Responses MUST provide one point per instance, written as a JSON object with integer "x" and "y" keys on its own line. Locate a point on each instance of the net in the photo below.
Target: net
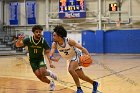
{"x": 122, "y": 17}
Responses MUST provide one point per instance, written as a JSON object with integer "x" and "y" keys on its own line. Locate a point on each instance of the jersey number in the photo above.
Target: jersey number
{"x": 66, "y": 53}
{"x": 35, "y": 51}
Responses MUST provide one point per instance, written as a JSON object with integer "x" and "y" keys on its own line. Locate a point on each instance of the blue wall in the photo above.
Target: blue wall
{"x": 122, "y": 41}
{"x": 88, "y": 40}
{"x": 112, "y": 41}
{"x": 48, "y": 37}
{"x": 99, "y": 41}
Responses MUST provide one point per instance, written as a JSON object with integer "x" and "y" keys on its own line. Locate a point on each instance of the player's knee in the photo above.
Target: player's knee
{"x": 38, "y": 75}
{"x": 43, "y": 74}
{"x": 45, "y": 79}
{"x": 71, "y": 70}
{"x": 82, "y": 77}
{"x": 40, "y": 78}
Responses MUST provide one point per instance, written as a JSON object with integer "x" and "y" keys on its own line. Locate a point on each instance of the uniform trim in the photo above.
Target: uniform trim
{"x": 42, "y": 40}
{"x": 76, "y": 58}
{"x": 34, "y": 41}
{"x": 64, "y": 43}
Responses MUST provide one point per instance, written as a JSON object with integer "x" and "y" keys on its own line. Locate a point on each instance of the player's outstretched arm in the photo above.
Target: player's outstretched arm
{"x": 53, "y": 48}
{"x": 48, "y": 57}
{"x": 19, "y": 42}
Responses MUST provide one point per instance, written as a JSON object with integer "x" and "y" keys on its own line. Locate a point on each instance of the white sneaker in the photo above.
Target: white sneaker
{"x": 52, "y": 75}
{"x": 52, "y": 86}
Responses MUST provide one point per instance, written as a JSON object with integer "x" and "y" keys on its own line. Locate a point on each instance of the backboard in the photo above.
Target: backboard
{"x": 121, "y": 16}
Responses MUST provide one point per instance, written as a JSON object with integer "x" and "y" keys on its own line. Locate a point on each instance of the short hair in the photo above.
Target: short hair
{"x": 60, "y": 31}
{"x": 37, "y": 27}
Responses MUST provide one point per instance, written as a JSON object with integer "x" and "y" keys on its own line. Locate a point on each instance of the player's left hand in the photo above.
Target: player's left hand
{"x": 55, "y": 59}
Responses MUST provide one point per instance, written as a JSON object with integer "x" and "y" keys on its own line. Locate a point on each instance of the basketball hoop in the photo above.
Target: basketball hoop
{"x": 116, "y": 19}
{"x": 119, "y": 1}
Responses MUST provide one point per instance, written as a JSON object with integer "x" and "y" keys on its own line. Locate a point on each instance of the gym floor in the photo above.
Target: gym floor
{"x": 116, "y": 73}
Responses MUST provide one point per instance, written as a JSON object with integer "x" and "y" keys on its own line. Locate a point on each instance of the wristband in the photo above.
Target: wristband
{"x": 51, "y": 57}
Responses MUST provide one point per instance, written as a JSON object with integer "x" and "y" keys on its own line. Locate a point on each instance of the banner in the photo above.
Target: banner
{"x": 13, "y": 13}
{"x": 31, "y": 12}
{"x": 72, "y": 9}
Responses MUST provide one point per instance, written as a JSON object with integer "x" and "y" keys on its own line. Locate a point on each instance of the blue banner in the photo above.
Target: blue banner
{"x": 31, "y": 12}
{"x": 13, "y": 13}
{"x": 72, "y": 15}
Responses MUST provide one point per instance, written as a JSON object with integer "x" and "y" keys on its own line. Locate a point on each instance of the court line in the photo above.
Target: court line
{"x": 101, "y": 77}
{"x": 98, "y": 63}
{"x": 32, "y": 89}
{"x": 118, "y": 73}
{"x": 60, "y": 81}
{"x": 65, "y": 82}
{"x": 39, "y": 90}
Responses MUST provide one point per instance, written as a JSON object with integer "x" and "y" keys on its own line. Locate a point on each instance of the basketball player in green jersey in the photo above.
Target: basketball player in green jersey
{"x": 68, "y": 49}
{"x": 37, "y": 45}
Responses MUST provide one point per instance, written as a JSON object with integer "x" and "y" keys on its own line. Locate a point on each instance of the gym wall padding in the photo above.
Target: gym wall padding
{"x": 99, "y": 37}
{"x": 112, "y": 41}
{"x": 122, "y": 41}
{"x": 48, "y": 37}
{"x": 88, "y": 40}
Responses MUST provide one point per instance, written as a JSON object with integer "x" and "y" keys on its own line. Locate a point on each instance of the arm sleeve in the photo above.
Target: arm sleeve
{"x": 46, "y": 46}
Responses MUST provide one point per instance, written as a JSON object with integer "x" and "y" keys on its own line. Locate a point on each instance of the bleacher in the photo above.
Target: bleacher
{"x": 6, "y": 45}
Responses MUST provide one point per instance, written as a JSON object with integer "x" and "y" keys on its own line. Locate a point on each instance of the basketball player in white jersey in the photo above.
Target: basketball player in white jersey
{"x": 68, "y": 49}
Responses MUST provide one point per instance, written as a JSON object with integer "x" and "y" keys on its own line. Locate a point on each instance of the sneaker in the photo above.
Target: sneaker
{"x": 79, "y": 91}
{"x": 52, "y": 75}
{"x": 52, "y": 86}
{"x": 95, "y": 87}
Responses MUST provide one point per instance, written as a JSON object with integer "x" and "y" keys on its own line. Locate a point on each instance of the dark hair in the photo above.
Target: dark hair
{"x": 36, "y": 27}
{"x": 60, "y": 30}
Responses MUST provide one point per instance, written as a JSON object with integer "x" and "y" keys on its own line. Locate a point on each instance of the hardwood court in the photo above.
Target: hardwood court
{"x": 115, "y": 73}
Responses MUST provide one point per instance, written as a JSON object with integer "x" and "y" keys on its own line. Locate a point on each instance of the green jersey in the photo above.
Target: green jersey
{"x": 36, "y": 48}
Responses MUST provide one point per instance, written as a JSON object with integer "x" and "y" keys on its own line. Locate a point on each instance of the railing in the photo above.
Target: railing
{"x": 9, "y": 30}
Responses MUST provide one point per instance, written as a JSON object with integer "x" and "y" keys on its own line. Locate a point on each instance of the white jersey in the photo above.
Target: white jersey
{"x": 67, "y": 51}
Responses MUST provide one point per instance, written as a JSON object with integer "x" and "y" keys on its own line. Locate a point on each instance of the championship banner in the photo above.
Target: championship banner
{"x": 13, "y": 13}
{"x": 31, "y": 12}
{"x": 72, "y": 9}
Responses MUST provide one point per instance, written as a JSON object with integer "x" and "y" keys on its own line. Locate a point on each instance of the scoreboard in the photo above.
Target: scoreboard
{"x": 113, "y": 7}
{"x": 72, "y": 9}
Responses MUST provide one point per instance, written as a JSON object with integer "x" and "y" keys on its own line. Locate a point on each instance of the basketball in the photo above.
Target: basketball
{"x": 85, "y": 60}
